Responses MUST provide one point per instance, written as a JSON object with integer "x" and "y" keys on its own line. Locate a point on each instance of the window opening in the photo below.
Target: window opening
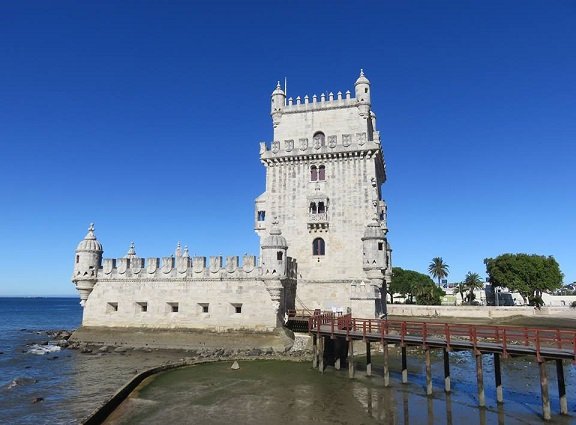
{"x": 321, "y": 208}
{"x": 111, "y": 307}
{"x": 318, "y": 247}
{"x": 77, "y": 259}
{"x": 313, "y": 207}
{"x": 261, "y": 215}
{"x": 143, "y": 307}
{"x": 237, "y": 308}
{"x": 204, "y": 308}
{"x": 319, "y": 138}
{"x": 380, "y": 246}
{"x": 321, "y": 173}
{"x": 313, "y": 173}
{"x": 279, "y": 255}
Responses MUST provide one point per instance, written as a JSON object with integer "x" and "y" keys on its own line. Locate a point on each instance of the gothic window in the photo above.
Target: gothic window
{"x": 321, "y": 173}
{"x": 261, "y": 215}
{"x": 313, "y": 173}
{"x": 313, "y": 209}
{"x": 318, "y": 247}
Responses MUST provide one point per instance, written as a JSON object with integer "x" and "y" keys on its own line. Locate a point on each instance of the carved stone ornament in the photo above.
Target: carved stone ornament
{"x": 289, "y": 145}
{"x": 346, "y": 139}
{"x": 167, "y": 265}
{"x": 215, "y": 264}
{"x": 248, "y": 263}
{"x": 152, "y": 265}
{"x": 136, "y": 265}
{"x": 198, "y": 264}
{"x": 182, "y": 264}
{"x": 122, "y": 265}
{"x": 332, "y": 141}
{"x": 108, "y": 265}
{"x": 275, "y": 147}
{"x": 317, "y": 142}
{"x": 303, "y": 144}
{"x": 361, "y": 138}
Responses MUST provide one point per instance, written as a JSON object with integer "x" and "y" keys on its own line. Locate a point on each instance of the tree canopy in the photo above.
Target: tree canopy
{"x": 410, "y": 283}
{"x": 530, "y": 275}
{"x": 471, "y": 282}
{"x": 438, "y": 269}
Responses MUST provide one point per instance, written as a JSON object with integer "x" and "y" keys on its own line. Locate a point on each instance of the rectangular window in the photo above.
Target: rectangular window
{"x": 237, "y": 308}
{"x": 173, "y": 307}
{"x": 142, "y": 307}
{"x": 380, "y": 246}
{"x": 111, "y": 307}
{"x": 77, "y": 259}
{"x": 261, "y": 215}
{"x": 204, "y": 307}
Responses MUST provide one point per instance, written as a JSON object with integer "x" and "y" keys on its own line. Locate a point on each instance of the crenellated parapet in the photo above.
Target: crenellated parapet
{"x": 364, "y": 291}
{"x": 182, "y": 267}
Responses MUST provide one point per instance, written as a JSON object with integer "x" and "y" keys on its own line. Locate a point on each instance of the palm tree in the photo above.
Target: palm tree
{"x": 472, "y": 281}
{"x": 438, "y": 269}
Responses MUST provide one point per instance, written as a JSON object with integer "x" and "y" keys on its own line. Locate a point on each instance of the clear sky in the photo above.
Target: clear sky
{"x": 144, "y": 117}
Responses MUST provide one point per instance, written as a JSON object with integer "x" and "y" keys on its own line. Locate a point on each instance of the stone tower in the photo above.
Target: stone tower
{"x": 86, "y": 264}
{"x": 324, "y": 172}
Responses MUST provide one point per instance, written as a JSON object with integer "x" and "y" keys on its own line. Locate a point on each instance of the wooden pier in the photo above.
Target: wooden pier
{"x": 499, "y": 341}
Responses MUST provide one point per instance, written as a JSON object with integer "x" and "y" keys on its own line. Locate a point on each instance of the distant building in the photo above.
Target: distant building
{"x": 322, "y": 205}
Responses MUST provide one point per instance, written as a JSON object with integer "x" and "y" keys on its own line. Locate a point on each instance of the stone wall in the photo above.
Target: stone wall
{"x": 481, "y": 312}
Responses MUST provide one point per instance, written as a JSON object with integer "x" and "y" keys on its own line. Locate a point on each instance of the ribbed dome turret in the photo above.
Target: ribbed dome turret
{"x": 89, "y": 243}
{"x": 278, "y": 89}
{"x": 362, "y": 79}
{"x": 373, "y": 231}
{"x": 131, "y": 251}
{"x": 275, "y": 238}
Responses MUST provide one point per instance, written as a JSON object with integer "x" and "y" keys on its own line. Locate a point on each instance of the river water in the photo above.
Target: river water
{"x": 41, "y": 384}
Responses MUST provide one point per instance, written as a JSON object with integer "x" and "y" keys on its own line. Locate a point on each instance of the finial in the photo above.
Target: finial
{"x": 278, "y": 85}
{"x": 361, "y": 72}
{"x": 178, "y": 250}
{"x": 91, "y": 227}
{"x": 132, "y": 249}
{"x": 186, "y": 253}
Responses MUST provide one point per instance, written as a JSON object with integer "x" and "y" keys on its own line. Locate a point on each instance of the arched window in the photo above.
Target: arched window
{"x": 321, "y": 208}
{"x": 319, "y": 138}
{"x": 318, "y": 247}
{"x": 313, "y": 173}
{"x": 313, "y": 207}
{"x": 321, "y": 173}
{"x": 279, "y": 255}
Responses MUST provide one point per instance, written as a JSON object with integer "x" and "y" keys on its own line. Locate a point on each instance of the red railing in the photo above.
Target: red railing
{"x": 446, "y": 333}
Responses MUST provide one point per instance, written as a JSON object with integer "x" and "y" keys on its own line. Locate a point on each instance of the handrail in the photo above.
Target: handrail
{"x": 446, "y": 333}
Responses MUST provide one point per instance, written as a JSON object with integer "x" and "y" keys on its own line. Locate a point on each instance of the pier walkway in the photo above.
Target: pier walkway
{"x": 334, "y": 336}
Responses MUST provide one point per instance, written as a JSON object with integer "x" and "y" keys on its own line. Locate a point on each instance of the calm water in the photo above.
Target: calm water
{"x": 72, "y": 385}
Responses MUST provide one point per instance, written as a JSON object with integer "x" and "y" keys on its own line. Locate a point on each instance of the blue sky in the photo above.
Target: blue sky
{"x": 145, "y": 117}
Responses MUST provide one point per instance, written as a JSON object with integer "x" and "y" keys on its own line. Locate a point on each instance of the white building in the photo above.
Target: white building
{"x": 322, "y": 205}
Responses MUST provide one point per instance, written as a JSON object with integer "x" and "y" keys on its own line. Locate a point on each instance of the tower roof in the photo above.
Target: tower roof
{"x": 275, "y": 238}
{"x": 278, "y": 90}
{"x": 131, "y": 251}
{"x": 90, "y": 243}
{"x": 362, "y": 79}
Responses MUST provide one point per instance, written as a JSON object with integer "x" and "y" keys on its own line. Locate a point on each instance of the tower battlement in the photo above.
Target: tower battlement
{"x": 197, "y": 267}
{"x": 324, "y": 101}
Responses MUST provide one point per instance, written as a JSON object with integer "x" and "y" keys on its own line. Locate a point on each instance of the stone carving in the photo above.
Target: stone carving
{"x": 198, "y": 264}
{"x": 289, "y": 145}
{"x": 332, "y": 141}
{"x": 122, "y": 265}
{"x": 136, "y": 265}
{"x": 182, "y": 264}
{"x": 346, "y": 139}
{"x": 167, "y": 264}
{"x": 215, "y": 264}
{"x": 275, "y": 147}
{"x": 152, "y": 265}
{"x": 361, "y": 138}
{"x": 108, "y": 266}
{"x": 317, "y": 142}
{"x": 303, "y": 144}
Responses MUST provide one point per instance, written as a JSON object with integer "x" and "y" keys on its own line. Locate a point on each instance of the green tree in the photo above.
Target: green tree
{"x": 530, "y": 275}
{"x": 438, "y": 269}
{"x": 471, "y": 282}
{"x": 410, "y": 283}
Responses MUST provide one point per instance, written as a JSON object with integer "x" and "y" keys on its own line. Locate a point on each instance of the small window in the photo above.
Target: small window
{"x": 173, "y": 307}
{"x": 111, "y": 307}
{"x": 313, "y": 209}
{"x": 366, "y": 90}
{"x": 77, "y": 259}
{"x": 142, "y": 307}
{"x": 279, "y": 255}
{"x": 321, "y": 208}
{"x": 261, "y": 215}
{"x": 318, "y": 247}
{"x": 237, "y": 308}
{"x": 380, "y": 246}
{"x": 313, "y": 173}
{"x": 204, "y": 307}
{"x": 321, "y": 173}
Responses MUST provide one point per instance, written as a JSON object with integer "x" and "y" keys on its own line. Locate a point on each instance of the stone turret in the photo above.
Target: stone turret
{"x": 362, "y": 88}
{"x": 274, "y": 248}
{"x": 374, "y": 247}
{"x": 87, "y": 262}
{"x": 278, "y": 103}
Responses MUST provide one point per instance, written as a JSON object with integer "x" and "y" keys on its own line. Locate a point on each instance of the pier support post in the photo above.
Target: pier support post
{"x": 428, "y": 372}
{"x": 314, "y": 351}
{"x": 546, "y": 414}
{"x": 351, "y": 358}
{"x": 321, "y": 354}
{"x": 498, "y": 378}
{"x": 561, "y": 387}
{"x": 446, "y": 370}
{"x": 368, "y": 359}
{"x": 404, "y": 366}
{"x": 480, "y": 380}
{"x": 386, "y": 370}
